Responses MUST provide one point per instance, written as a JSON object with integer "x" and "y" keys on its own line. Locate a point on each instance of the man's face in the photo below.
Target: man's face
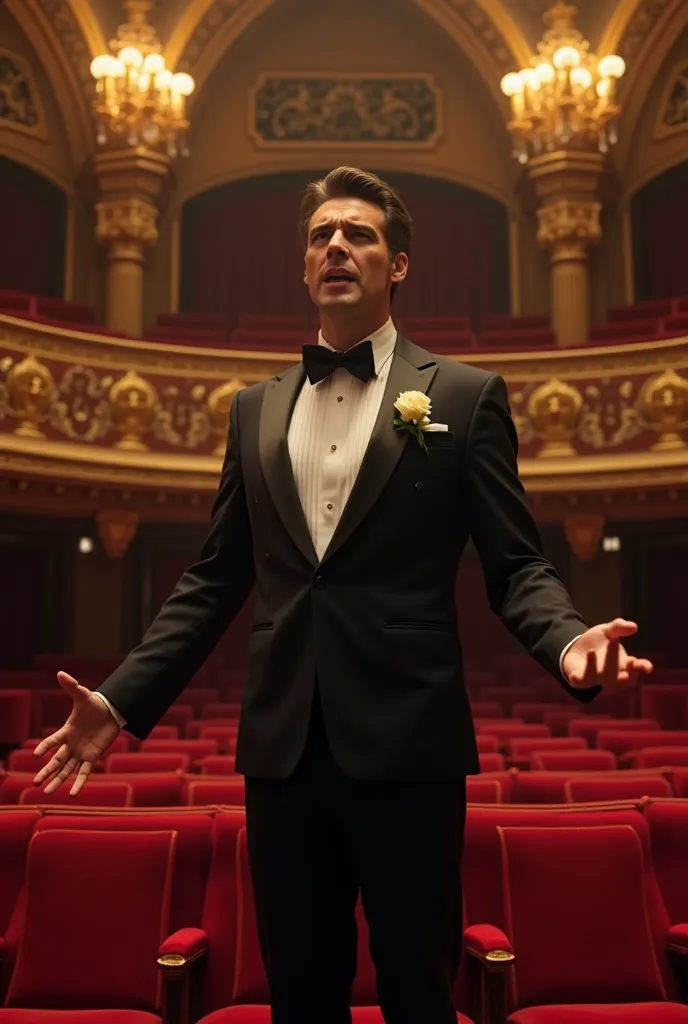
{"x": 348, "y": 263}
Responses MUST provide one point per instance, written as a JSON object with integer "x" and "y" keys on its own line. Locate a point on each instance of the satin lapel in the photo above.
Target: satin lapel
{"x": 412, "y": 369}
{"x": 278, "y": 403}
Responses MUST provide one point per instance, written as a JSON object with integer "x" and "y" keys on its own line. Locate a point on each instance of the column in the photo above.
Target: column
{"x": 568, "y": 210}
{"x": 134, "y": 183}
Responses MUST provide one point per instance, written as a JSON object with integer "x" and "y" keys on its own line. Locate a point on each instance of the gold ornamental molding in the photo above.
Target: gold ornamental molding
{"x": 672, "y": 113}
{"x": 108, "y": 416}
{"x": 22, "y": 108}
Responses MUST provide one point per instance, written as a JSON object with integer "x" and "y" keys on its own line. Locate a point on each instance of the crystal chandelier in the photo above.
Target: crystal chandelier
{"x": 566, "y": 99}
{"x": 139, "y": 100}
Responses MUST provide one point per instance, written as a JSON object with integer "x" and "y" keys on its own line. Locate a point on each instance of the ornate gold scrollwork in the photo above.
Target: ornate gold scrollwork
{"x": 219, "y": 403}
{"x": 663, "y": 401}
{"x": 31, "y": 389}
{"x": 133, "y": 401}
{"x": 554, "y": 409}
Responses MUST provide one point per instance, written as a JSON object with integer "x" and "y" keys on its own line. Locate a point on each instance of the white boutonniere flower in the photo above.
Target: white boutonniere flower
{"x": 414, "y": 415}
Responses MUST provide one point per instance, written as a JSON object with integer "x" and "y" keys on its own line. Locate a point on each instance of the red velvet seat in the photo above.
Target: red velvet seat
{"x": 679, "y": 780}
{"x": 104, "y": 962}
{"x": 65, "y": 310}
{"x": 25, "y": 679}
{"x": 590, "y": 726}
{"x": 668, "y": 824}
{"x": 411, "y": 324}
{"x": 491, "y": 762}
{"x": 143, "y": 761}
{"x": 195, "y": 749}
{"x": 179, "y": 715}
{"x": 642, "y": 310}
{"x": 96, "y": 794}
{"x": 625, "y": 330}
{"x": 487, "y": 744}
{"x": 483, "y": 791}
{"x": 261, "y": 1015}
{"x": 15, "y": 716}
{"x": 197, "y": 697}
{"x": 520, "y": 747}
{"x": 201, "y": 792}
{"x": 535, "y": 711}
{"x": 51, "y": 709}
{"x": 164, "y": 732}
{"x": 627, "y": 742}
{"x": 667, "y": 704}
{"x": 15, "y": 303}
{"x": 603, "y": 1013}
{"x": 194, "y": 832}
{"x": 217, "y": 764}
{"x": 26, "y": 1016}
{"x": 218, "y": 709}
{"x": 195, "y": 729}
{"x": 514, "y": 322}
{"x": 660, "y": 757}
{"x": 249, "y": 339}
{"x": 616, "y": 787}
{"x": 487, "y": 709}
{"x": 24, "y": 760}
{"x": 549, "y": 787}
{"x": 520, "y": 340}
{"x": 573, "y": 760}
{"x": 277, "y": 322}
{"x": 506, "y": 731}
{"x": 558, "y": 719}
{"x": 608, "y": 948}
{"x": 16, "y": 829}
{"x": 512, "y": 693}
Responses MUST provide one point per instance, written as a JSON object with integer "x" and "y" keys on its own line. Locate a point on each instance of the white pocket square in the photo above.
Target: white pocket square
{"x": 435, "y": 426}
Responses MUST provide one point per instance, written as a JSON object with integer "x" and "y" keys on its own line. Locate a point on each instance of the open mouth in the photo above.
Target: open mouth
{"x": 337, "y": 277}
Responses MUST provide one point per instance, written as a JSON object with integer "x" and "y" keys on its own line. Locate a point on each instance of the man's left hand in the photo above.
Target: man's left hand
{"x": 597, "y": 657}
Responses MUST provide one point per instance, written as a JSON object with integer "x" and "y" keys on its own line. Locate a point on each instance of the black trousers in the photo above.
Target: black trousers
{"x": 318, "y": 838}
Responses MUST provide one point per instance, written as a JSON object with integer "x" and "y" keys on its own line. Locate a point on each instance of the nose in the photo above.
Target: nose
{"x": 337, "y": 244}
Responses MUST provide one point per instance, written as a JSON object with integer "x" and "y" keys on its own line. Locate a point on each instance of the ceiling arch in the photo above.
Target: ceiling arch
{"x": 483, "y": 29}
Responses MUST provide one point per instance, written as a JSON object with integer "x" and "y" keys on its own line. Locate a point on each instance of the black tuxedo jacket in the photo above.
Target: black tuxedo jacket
{"x": 374, "y": 621}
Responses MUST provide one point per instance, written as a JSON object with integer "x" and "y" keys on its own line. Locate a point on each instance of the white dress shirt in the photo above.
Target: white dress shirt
{"x": 329, "y": 432}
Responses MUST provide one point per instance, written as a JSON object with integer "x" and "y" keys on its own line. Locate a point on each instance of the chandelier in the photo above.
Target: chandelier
{"x": 139, "y": 101}
{"x": 566, "y": 98}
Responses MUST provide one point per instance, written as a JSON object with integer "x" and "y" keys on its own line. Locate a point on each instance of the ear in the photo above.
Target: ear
{"x": 399, "y": 267}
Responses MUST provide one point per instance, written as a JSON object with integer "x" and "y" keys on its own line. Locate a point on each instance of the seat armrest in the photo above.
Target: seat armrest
{"x": 489, "y": 957}
{"x": 677, "y": 939}
{"x": 180, "y": 959}
{"x": 185, "y": 944}
{"x": 677, "y": 944}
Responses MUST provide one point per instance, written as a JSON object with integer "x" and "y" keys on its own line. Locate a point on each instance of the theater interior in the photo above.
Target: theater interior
{"x": 152, "y": 157}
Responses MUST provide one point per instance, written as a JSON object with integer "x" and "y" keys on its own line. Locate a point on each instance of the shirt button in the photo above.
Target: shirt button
{"x": 330, "y": 505}
{"x": 340, "y": 398}
{"x": 333, "y": 447}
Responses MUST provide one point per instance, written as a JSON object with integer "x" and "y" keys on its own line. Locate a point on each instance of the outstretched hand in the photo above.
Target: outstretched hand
{"x": 82, "y": 740}
{"x": 597, "y": 657}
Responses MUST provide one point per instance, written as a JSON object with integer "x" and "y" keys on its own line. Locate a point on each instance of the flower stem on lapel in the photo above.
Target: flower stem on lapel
{"x": 414, "y": 429}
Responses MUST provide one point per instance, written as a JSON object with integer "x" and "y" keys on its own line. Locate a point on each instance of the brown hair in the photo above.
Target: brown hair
{"x": 350, "y": 182}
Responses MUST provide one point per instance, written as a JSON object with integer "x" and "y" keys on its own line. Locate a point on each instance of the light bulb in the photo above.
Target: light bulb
{"x": 603, "y": 88}
{"x": 566, "y": 57}
{"x": 581, "y": 77}
{"x": 529, "y": 78}
{"x": 163, "y": 79}
{"x": 154, "y": 63}
{"x": 100, "y": 65}
{"x": 545, "y": 72}
{"x": 144, "y": 81}
{"x": 85, "y": 545}
{"x": 511, "y": 84}
{"x": 183, "y": 83}
{"x": 611, "y": 66}
{"x": 131, "y": 57}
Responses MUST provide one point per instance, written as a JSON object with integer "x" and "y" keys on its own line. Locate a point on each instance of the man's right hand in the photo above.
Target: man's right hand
{"x": 82, "y": 740}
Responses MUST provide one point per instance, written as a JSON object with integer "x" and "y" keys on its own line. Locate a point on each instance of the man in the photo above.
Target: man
{"x": 356, "y": 734}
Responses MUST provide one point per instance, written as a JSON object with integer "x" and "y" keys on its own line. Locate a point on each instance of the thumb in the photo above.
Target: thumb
{"x": 68, "y": 683}
{"x": 618, "y": 628}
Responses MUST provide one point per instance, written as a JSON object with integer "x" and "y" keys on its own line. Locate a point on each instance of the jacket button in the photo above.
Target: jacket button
{"x": 320, "y": 582}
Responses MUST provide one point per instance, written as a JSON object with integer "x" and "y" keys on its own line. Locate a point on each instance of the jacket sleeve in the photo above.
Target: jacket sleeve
{"x": 523, "y": 587}
{"x": 205, "y": 600}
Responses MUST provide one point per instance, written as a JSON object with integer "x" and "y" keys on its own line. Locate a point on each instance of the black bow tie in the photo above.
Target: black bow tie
{"x": 320, "y": 362}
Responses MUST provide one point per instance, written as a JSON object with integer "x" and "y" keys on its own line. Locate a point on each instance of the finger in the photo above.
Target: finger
{"x": 61, "y": 776}
{"x": 54, "y": 764}
{"x": 618, "y": 628}
{"x": 67, "y": 682}
{"x": 49, "y": 742}
{"x": 583, "y": 677}
{"x": 83, "y": 773}
{"x": 610, "y": 669}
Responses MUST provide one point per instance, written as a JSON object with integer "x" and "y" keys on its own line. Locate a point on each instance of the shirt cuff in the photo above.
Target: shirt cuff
{"x": 121, "y": 722}
{"x": 563, "y": 654}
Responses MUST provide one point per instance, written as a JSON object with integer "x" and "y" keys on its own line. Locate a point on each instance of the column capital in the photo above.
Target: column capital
{"x": 568, "y": 227}
{"x": 127, "y": 226}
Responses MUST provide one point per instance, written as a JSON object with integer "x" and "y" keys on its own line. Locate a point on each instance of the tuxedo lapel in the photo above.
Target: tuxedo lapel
{"x": 412, "y": 369}
{"x": 278, "y": 404}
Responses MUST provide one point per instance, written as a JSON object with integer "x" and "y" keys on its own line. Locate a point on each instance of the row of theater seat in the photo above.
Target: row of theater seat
{"x": 574, "y": 915}
{"x": 155, "y": 786}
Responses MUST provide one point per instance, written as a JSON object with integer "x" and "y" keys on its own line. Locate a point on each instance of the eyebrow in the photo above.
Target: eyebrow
{"x": 346, "y": 223}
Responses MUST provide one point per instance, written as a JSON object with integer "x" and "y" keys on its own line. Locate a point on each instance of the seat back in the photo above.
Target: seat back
{"x": 616, "y": 787}
{"x": 484, "y": 791}
{"x": 202, "y": 792}
{"x": 661, "y": 757}
{"x": 103, "y": 962}
{"x": 16, "y": 829}
{"x": 604, "y": 950}
{"x": 491, "y": 762}
{"x": 589, "y": 726}
{"x": 668, "y": 824}
{"x": 521, "y": 747}
{"x": 573, "y": 760}
{"x": 624, "y": 741}
{"x": 193, "y": 850}
{"x": 143, "y": 761}
{"x": 96, "y": 793}
{"x": 217, "y": 764}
